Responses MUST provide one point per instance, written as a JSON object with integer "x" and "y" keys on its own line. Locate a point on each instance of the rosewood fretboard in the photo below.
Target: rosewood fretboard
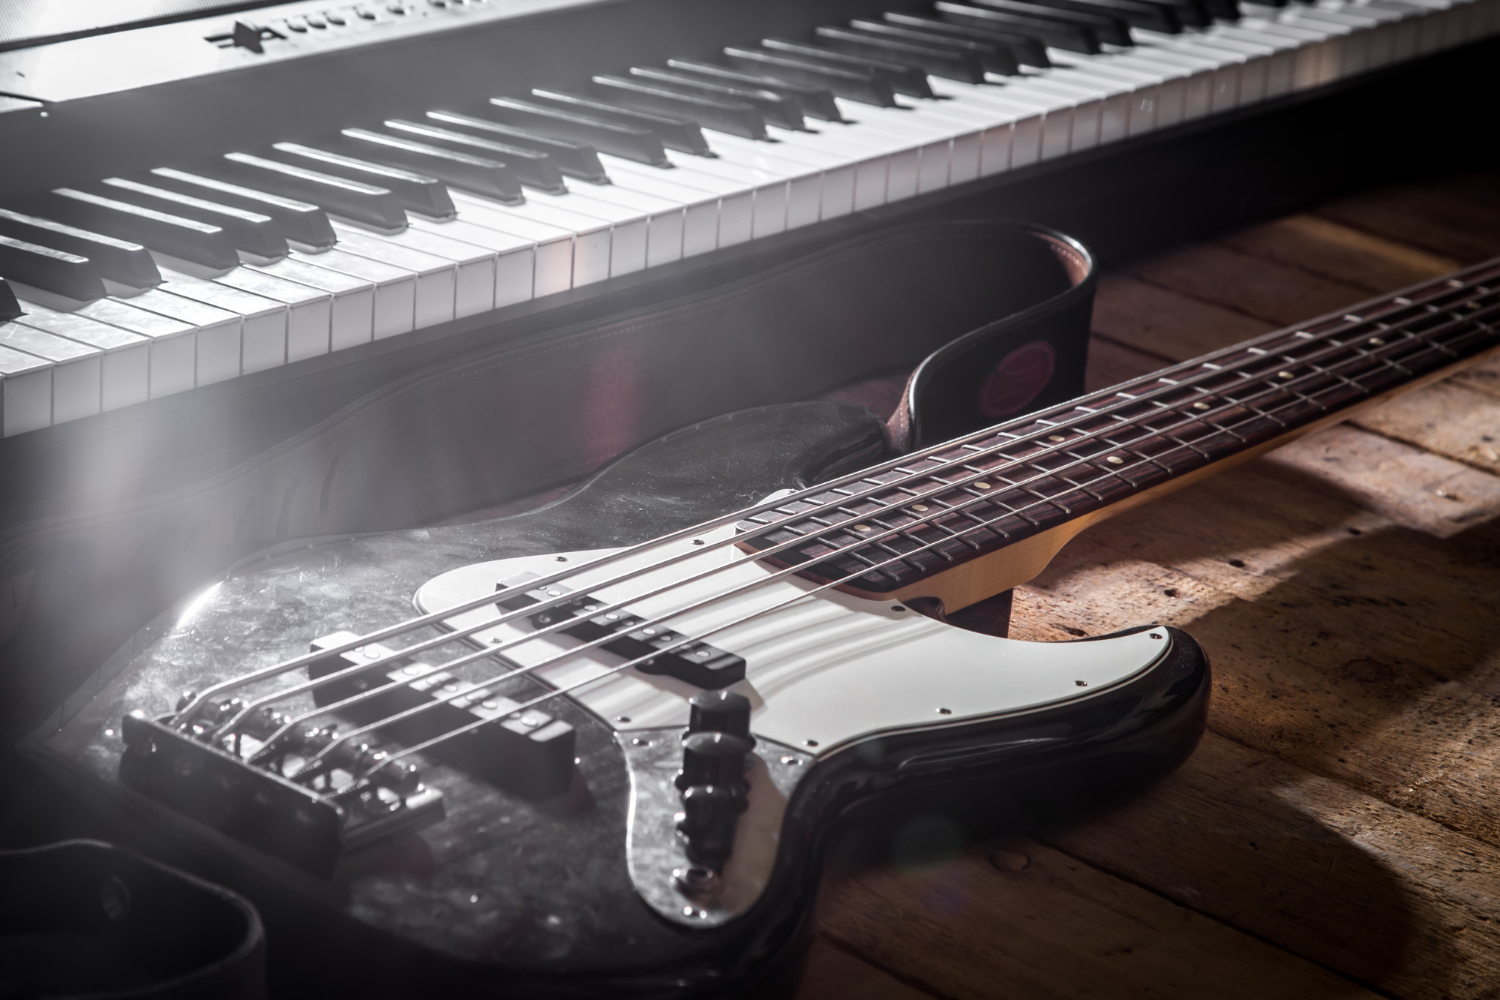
{"x": 935, "y": 509}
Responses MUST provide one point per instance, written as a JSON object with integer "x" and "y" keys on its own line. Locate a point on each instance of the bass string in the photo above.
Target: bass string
{"x": 1017, "y": 440}
{"x": 492, "y": 623}
{"x": 478, "y": 686}
{"x": 488, "y": 651}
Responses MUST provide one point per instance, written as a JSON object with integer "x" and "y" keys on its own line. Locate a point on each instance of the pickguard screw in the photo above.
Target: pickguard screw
{"x": 789, "y": 759}
{"x": 562, "y": 558}
{"x": 809, "y": 743}
{"x": 1082, "y": 684}
{"x": 945, "y": 711}
{"x": 1156, "y": 635}
{"x": 698, "y": 541}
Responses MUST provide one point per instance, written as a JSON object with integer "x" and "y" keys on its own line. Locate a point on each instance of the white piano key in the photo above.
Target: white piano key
{"x": 437, "y": 277}
{"x": 1247, "y": 67}
{"x": 764, "y": 211}
{"x": 396, "y": 290}
{"x": 1075, "y": 117}
{"x": 520, "y": 263}
{"x": 351, "y": 314}
{"x": 1319, "y": 52}
{"x": 591, "y": 237}
{"x": 665, "y": 216}
{"x": 1280, "y": 53}
{"x": 264, "y": 332}
{"x": 126, "y": 373}
{"x": 474, "y": 288}
{"x": 1354, "y": 32}
{"x": 219, "y": 332}
{"x": 1177, "y": 74}
{"x": 310, "y": 311}
{"x": 25, "y": 392}
{"x": 736, "y": 189}
{"x": 1139, "y": 91}
{"x": 814, "y": 174}
{"x": 629, "y": 227}
{"x": 76, "y": 369}
{"x": 1048, "y": 129}
{"x": 700, "y": 212}
{"x": 174, "y": 344}
{"x": 552, "y": 267}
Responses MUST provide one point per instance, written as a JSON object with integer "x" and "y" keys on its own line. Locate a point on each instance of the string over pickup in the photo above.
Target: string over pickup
{"x": 526, "y": 752}
{"x": 669, "y": 652}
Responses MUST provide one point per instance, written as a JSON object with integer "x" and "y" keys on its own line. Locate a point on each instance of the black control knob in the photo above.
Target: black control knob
{"x": 713, "y": 759}
{"x": 721, "y": 712}
{"x": 709, "y": 815}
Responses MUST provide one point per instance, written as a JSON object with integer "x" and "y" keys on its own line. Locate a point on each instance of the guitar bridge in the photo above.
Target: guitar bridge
{"x": 308, "y": 819}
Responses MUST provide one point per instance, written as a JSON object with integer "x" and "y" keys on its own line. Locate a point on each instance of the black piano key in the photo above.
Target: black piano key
{"x": 1146, "y": 14}
{"x": 489, "y": 177}
{"x": 938, "y": 61}
{"x": 774, "y": 108}
{"x": 356, "y": 200}
{"x": 864, "y": 87}
{"x": 117, "y": 260}
{"x": 903, "y": 78}
{"x": 9, "y": 307}
{"x": 538, "y": 170}
{"x": 991, "y": 58}
{"x": 1112, "y": 30}
{"x": 1061, "y": 34}
{"x": 1229, "y": 10}
{"x": 1192, "y": 13}
{"x": 418, "y": 192}
{"x": 674, "y": 132}
{"x": 55, "y": 271}
{"x": 1027, "y": 49}
{"x": 815, "y": 101}
{"x": 721, "y": 113}
{"x": 252, "y": 232}
{"x": 536, "y": 156}
{"x": 199, "y": 242}
{"x": 299, "y": 221}
{"x": 607, "y": 137}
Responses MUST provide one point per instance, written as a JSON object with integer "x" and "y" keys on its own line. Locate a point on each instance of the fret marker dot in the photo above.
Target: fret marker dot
{"x": 1284, "y": 375}
{"x": 1376, "y": 341}
{"x": 981, "y": 485}
{"x": 1055, "y": 437}
{"x": 1115, "y": 460}
{"x": 861, "y": 527}
{"x": 919, "y": 506}
{"x": 1200, "y": 406}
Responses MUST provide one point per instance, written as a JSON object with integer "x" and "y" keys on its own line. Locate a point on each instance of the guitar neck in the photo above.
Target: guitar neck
{"x": 972, "y": 517}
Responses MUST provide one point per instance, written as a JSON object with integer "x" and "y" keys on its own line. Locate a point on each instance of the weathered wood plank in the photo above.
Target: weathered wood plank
{"x": 1111, "y": 363}
{"x": 1020, "y": 920}
{"x": 1342, "y": 644}
{"x": 1165, "y": 323}
{"x": 1484, "y": 377}
{"x": 1276, "y": 293}
{"x": 1410, "y": 486}
{"x": 1323, "y": 871}
{"x": 1447, "y": 418}
{"x": 1331, "y": 250}
{"x": 831, "y": 973}
{"x": 1457, "y": 217}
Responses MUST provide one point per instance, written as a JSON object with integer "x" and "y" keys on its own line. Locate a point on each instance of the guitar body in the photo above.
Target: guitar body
{"x": 570, "y": 893}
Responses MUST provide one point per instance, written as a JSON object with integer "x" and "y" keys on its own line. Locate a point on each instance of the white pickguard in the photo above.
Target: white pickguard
{"x": 820, "y": 672}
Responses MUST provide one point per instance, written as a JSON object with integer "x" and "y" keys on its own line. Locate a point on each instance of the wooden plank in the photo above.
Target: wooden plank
{"x": 831, "y": 973}
{"x": 1483, "y": 377}
{"x": 1454, "y": 217}
{"x": 1276, "y": 293}
{"x": 1331, "y": 250}
{"x": 1165, "y": 323}
{"x": 1412, "y": 487}
{"x": 1341, "y": 643}
{"x": 1021, "y": 920}
{"x": 1309, "y": 864}
{"x": 1447, "y": 418}
{"x": 1111, "y": 363}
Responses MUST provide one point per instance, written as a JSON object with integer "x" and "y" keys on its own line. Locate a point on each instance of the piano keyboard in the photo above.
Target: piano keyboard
{"x": 137, "y": 287}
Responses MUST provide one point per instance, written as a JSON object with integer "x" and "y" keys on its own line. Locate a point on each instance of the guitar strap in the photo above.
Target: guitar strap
{"x": 999, "y": 311}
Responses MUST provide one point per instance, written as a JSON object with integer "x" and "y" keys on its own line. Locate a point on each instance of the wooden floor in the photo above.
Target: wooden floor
{"x": 1337, "y": 833}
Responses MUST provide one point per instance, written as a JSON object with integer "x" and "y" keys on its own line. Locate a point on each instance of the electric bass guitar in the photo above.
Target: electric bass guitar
{"x": 597, "y": 748}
